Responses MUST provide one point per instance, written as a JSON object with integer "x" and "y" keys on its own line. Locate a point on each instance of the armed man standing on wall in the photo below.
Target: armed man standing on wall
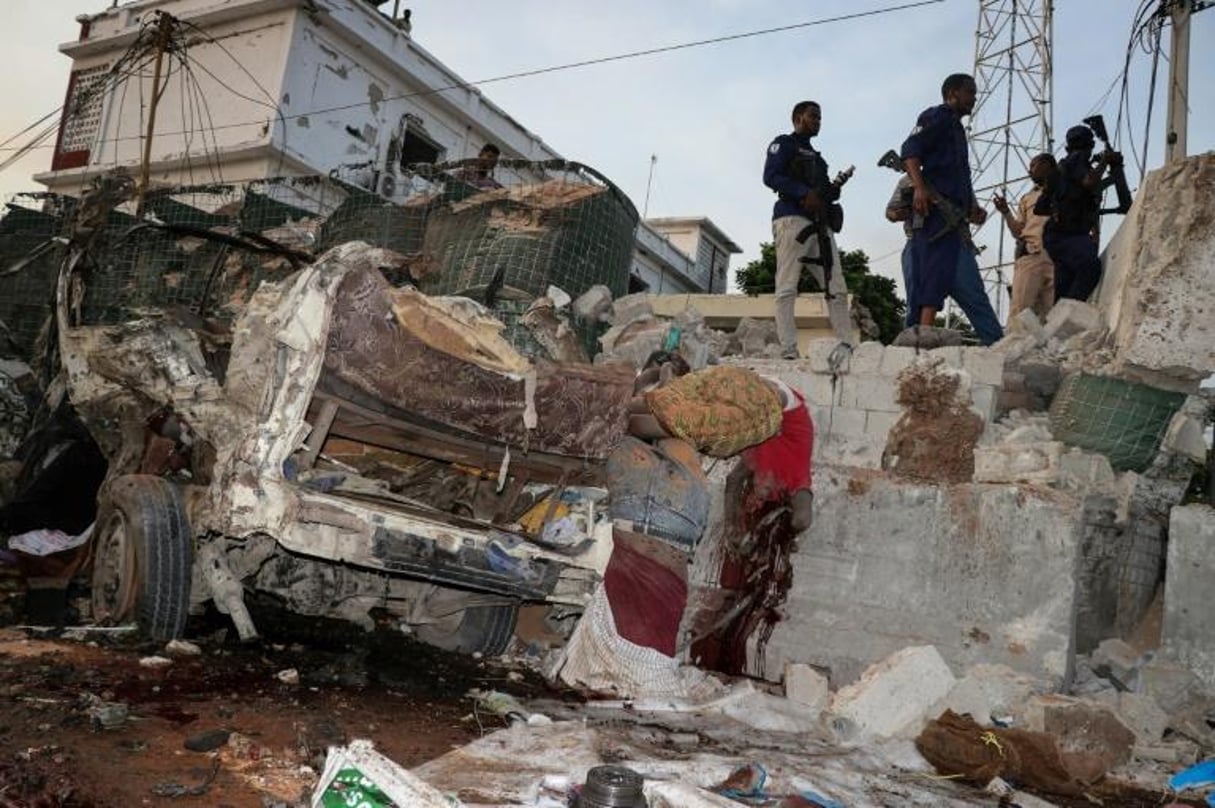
{"x": 798, "y": 175}
{"x": 1072, "y": 200}
{"x": 936, "y": 158}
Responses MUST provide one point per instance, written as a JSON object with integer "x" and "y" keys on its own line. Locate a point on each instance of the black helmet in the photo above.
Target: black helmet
{"x": 1079, "y": 138}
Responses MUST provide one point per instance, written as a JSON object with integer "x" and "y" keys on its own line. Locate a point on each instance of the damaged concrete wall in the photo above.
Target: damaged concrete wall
{"x": 986, "y": 573}
{"x": 1159, "y": 287}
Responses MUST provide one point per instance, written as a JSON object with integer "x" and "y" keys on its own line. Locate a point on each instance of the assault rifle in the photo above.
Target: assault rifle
{"x": 955, "y": 218}
{"x": 1114, "y": 161}
{"x": 832, "y": 218}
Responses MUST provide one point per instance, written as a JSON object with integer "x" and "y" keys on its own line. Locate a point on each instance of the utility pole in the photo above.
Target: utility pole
{"x": 164, "y": 35}
{"x": 645, "y": 209}
{"x": 1179, "y": 75}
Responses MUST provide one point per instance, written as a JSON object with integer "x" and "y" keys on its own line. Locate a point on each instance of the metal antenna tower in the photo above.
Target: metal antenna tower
{"x": 1012, "y": 118}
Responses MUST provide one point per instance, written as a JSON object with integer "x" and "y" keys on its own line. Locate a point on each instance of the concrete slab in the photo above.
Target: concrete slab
{"x": 893, "y": 697}
{"x": 1159, "y": 284}
{"x": 1189, "y": 608}
{"x": 984, "y": 573}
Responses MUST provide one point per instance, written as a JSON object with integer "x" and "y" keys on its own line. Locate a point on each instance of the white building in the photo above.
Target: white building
{"x": 260, "y": 88}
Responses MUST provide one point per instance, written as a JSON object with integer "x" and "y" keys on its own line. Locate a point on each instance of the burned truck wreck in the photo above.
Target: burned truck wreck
{"x": 284, "y": 408}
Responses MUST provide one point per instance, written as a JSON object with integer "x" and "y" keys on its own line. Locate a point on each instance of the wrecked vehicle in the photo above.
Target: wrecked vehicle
{"x": 302, "y": 428}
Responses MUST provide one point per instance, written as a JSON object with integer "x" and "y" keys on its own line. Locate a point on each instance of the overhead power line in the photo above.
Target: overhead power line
{"x": 585, "y": 63}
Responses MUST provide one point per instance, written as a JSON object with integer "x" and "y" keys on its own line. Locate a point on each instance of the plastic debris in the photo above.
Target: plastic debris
{"x": 1200, "y": 775}
{"x": 106, "y": 714}
{"x": 499, "y": 703}
{"x": 359, "y": 775}
{"x": 182, "y": 648}
{"x": 44, "y": 542}
{"x": 288, "y": 676}
{"x": 746, "y": 782}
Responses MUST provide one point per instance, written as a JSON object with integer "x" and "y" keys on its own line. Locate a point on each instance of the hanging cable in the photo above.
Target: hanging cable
{"x": 601, "y": 60}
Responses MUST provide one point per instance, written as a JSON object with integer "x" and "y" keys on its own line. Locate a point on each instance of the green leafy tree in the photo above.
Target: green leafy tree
{"x": 875, "y": 292}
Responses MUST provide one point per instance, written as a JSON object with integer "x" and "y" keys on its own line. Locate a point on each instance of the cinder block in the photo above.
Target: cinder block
{"x": 631, "y": 307}
{"x": 895, "y": 358}
{"x": 984, "y": 366}
{"x": 1070, "y": 317}
{"x": 821, "y": 392}
{"x": 798, "y": 380}
{"x": 1018, "y": 463}
{"x": 817, "y": 354}
{"x": 983, "y": 401}
{"x": 1143, "y": 716}
{"x": 875, "y": 393}
{"x": 893, "y": 698}
{"x": 1027, "y": 323}
{"x": 1082, "y": 470}
{"x": 879, "y": 424}
{"x": 866, "y": 359}
{"x": 1007, "y": 401}
{"x": 805, "y": 685}
{"x": 951, "y": 354}
{"x": 838, "y": 422}
{"x": 1184, "y": 437}
{"x": 1117, "y": 661}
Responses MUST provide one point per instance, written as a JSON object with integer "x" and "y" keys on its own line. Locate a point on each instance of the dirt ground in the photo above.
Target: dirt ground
{"x": 270, "y": 735}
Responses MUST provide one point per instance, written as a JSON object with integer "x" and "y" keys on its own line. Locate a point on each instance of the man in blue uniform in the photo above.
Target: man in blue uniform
{"x": 937, "y": 161}
{"x": 968, "y": 290}
{"x": 798, "y": 174}
{"x": 1072, "y": 200}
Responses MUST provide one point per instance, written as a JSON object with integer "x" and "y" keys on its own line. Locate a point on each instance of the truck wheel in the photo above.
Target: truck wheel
{"x": 141, "y": 566}
{"x": 486, "y": 629}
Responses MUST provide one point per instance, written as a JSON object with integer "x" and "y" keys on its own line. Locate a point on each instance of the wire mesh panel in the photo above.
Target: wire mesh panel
{"x": 29, "y": 260}
{"x": 169, "y": 260}
{"x": 500, "y": 237}
{"x": 1122, "y": 420}
{"x": 509, "y": 232}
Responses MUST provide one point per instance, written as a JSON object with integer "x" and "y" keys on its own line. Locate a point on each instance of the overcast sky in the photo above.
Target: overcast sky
{"x": 708, "y": 113}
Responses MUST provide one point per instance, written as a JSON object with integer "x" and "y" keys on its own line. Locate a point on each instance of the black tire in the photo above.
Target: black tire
{"x": 142, "y": 565}
{"x": 487, "y": 630}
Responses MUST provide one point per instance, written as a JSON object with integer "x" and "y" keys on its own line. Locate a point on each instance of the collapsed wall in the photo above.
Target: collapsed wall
{"x": 1007, "y": 504}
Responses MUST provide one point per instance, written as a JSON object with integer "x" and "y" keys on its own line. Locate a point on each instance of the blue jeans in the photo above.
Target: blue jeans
{"x": 968, "y": 293}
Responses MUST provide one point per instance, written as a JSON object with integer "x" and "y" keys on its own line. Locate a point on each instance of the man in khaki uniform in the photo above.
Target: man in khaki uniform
{"x": 1033, "y": 285}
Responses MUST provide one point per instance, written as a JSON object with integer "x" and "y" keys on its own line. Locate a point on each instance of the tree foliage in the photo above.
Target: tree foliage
{"x": 875, "y": 292}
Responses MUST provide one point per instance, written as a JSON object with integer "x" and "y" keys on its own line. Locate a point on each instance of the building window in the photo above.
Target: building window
{"x": 81, "y": 118}
{"x": 418, "y": 148}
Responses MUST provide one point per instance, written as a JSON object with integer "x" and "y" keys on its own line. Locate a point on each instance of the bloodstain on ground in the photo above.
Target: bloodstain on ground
{"x": 409, "y": 699}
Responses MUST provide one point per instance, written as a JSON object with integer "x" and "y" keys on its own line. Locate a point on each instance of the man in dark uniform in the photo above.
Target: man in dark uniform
{"x": 1072, "y": 200}
{"x": 798, "y": 174}
{"x": 937, "y": 160}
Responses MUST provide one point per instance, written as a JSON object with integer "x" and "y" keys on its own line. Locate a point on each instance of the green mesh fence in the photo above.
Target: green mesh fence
{"x": 501, "y": 239}
{"x": 509, "y": 235}
{"x": 28, "y": 262}
{"x": 142, "y": 268}
{"x": 1122, "y": 420}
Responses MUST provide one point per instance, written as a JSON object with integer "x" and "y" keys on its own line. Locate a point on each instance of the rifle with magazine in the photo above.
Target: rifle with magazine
{"x": 818, "y": 227}
{"x": 955, "y": 218}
